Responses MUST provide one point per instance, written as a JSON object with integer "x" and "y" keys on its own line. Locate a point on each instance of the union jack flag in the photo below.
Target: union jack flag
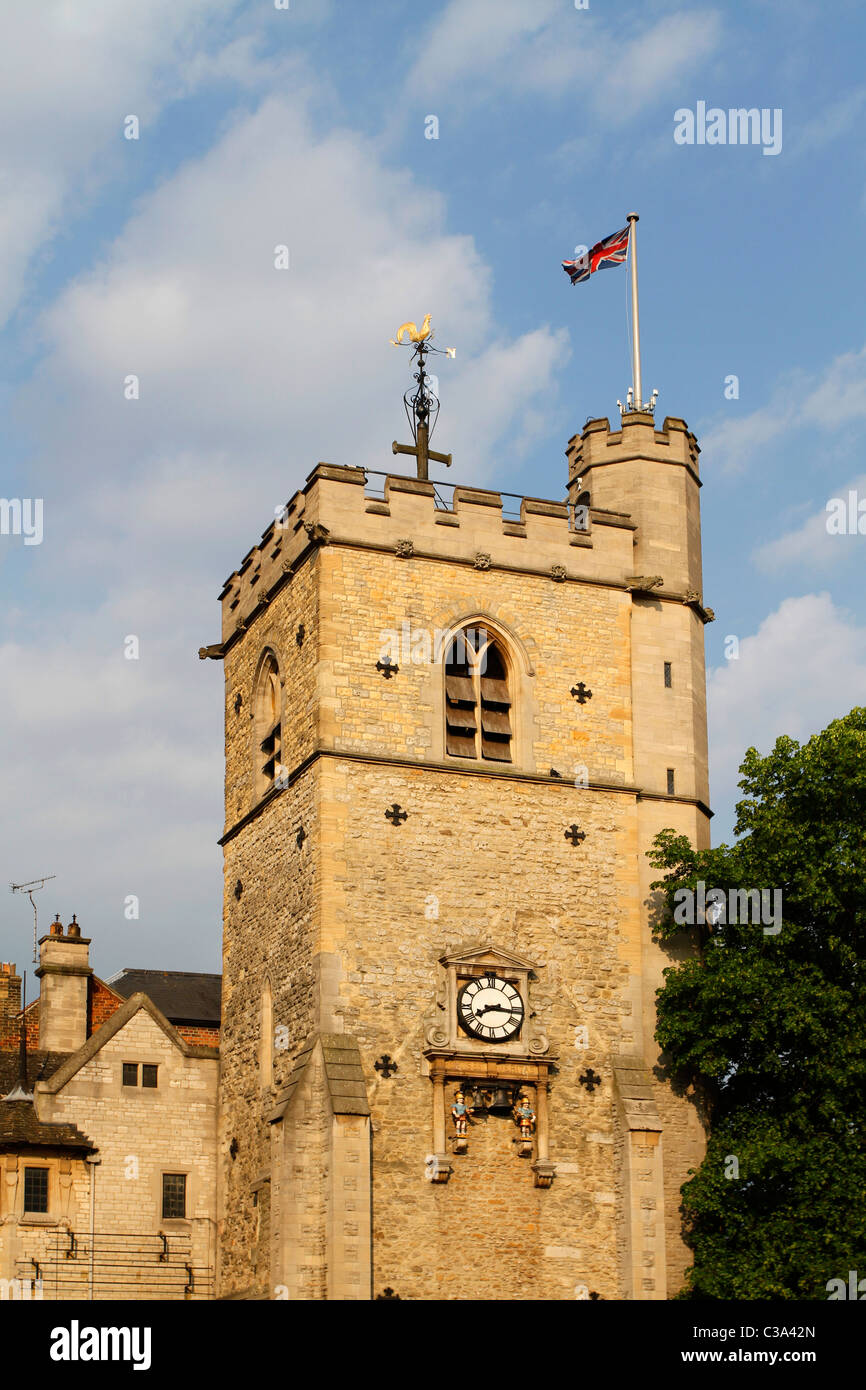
{"x": 611, "y": 251}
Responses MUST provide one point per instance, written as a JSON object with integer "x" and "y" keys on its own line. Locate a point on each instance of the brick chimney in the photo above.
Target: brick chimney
{"x": 64, "y": 969}
{"x": 10, "y": 1004}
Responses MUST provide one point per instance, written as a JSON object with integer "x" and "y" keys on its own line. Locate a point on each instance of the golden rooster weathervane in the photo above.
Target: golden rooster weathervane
{"x": 421, "y": 404}
{"x": 418, "y": 335}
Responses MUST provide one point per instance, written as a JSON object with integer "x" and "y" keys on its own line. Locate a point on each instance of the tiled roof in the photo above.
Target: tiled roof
{"x": 40, "y": 1065}
{"x": 347, "y": 1088}
{"x": 183, "y": 996}
{"x": 20, "y": 1127}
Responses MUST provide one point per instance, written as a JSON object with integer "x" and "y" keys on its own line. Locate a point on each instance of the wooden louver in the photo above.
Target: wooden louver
{"x": 460, "y": 716}
{"x": 477, "y": 706}
{"x": 271, "y": 743}
{"x": 272, "y": 749}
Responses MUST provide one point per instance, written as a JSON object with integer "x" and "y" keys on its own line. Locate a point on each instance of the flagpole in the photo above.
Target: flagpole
{"x": 632, "y": 220}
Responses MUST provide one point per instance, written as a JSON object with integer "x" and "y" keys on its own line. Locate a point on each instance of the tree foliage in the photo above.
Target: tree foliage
{"x": 770, "y": 1026}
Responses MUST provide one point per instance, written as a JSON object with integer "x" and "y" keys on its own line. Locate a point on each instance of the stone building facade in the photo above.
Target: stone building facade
{"x": 108, "y": 1108}
{"x": 451, "y": 736}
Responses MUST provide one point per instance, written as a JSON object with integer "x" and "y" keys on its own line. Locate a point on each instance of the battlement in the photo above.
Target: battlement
{"x": 477, "y": 527}
{"x": 598, "y": 444}
{"x": 613, "y": 522}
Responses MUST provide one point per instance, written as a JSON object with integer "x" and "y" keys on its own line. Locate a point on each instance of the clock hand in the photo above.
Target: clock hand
{"x": 495, "y": 1008}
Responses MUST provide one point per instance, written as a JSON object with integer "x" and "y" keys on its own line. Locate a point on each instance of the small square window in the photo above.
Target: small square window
{"x": 130, "y": 1073}
{"x": 670, "y": 781}
{"x": 35, "y": 1189}
{"x": 668, "y": 681}
{"x": 173, "y": 1195}
{"x": 148, "y": 1075}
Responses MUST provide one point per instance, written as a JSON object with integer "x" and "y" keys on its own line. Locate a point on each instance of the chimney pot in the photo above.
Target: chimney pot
{"x": 64, "y": 972}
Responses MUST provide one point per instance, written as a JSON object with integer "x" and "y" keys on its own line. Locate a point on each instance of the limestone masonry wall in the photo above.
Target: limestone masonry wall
{"x": 346, "y": 915}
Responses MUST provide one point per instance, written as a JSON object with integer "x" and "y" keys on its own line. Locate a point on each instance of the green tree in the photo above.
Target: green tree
{"x": 769, "y": 1026}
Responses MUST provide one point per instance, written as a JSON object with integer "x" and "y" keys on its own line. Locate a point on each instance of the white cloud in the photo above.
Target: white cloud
{"x": 232, "y": 353}
{"x": 638, "y": 72}
{"x": 547, "y": 49}
{"x": 72, "y": 71}
{"x": 834, "y": 121}
{"x": 840, "y": 396}
{"x": 805, "y": 666}
{"x": 797, "y": 402}
{"x": 112, "y": 776}
{"x": 811, "y": 546}
{"x": 249, "y": 375}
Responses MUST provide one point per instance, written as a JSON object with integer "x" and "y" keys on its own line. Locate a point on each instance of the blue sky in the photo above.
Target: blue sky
{"x": 306, "y": 127}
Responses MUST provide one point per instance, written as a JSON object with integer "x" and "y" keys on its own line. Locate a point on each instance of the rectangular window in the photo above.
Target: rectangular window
{"x": 130, "y": 1073}
{"x": 35, "y": 1189}
{"x": 667, "y": 675}
{"x": 148, "y": 1075}
{"x": 670, "y": 781}
{"x": 173, "y": 1195}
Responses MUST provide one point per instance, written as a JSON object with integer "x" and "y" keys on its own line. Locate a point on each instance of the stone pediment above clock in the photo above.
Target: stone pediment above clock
{"x": 485, "y": 954}
{"x": 483, "y": 1004}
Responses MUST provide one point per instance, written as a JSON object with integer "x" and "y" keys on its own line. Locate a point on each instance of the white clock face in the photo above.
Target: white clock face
{"x": 490, "y": 1008}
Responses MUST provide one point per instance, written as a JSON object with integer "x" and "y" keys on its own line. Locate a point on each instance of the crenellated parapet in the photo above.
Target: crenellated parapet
{"x": 637, "y": 438}
{"x": 480, "y": 529}
{"x": 652, "y": 474}
{"x": 632, "y": 505}
{"x": 624, "y": 505}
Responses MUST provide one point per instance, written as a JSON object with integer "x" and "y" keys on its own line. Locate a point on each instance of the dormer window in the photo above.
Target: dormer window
{"x": 477, "y": 698}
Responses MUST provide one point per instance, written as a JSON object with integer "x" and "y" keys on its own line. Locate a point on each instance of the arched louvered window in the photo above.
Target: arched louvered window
{"x": 477, "y": 698}
{"x": 269, "y": 725}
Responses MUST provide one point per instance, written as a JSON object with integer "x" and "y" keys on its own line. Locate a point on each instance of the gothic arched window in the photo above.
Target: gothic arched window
{"x": 269, "y": 724}
{"x": 477, "y": 697}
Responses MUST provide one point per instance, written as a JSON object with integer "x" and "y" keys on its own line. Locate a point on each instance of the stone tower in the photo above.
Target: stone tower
{"x": 451, "y": 735}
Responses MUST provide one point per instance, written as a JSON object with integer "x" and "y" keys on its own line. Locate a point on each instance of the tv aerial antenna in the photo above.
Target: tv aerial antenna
{"x": 30, "y": 888}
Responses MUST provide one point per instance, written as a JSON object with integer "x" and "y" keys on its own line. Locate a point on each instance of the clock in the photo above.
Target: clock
{"x": 490, "y": 1008}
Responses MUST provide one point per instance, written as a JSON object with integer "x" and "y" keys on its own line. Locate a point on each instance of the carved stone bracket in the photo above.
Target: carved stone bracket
{"x": 404, "y": 549}
{"x": 695, "y": 601}
{"x": 482, "y": 560}
{"x": 438, "y": 1168}
{"x": 643, "y": 583}
{"x": 544, "y": 1171}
